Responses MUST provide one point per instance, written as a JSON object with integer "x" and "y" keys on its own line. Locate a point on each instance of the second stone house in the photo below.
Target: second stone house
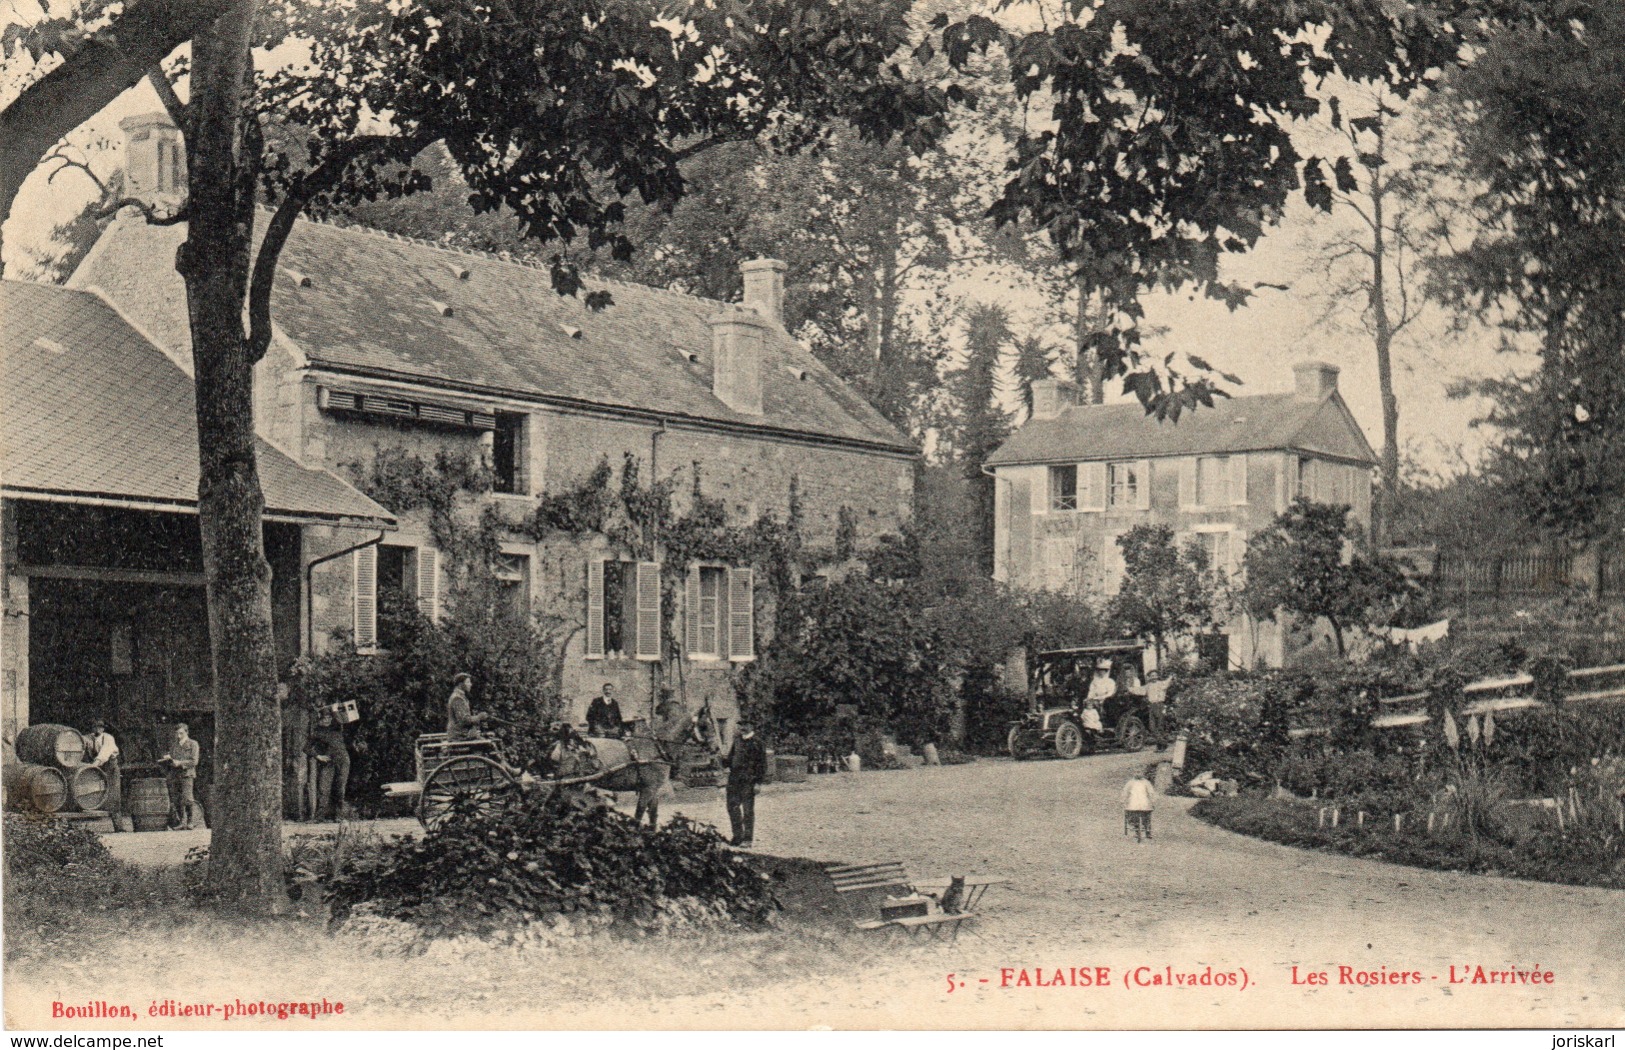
{"x": 1076, "y": 477}
{"x": 392, "y": 353}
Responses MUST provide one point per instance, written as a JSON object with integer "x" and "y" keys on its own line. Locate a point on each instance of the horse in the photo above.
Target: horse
{"x": 637, "y": 764}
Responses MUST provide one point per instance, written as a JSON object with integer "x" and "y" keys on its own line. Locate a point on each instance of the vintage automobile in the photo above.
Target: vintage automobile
{"x": 1058, "y": 681}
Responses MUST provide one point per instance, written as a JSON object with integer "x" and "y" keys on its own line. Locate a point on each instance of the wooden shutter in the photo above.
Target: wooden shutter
{"x": 691, "y": 612}
{"x": 1238, "y": 479}
{"x": 741, "y": 615}
{"x": 1187, "y": 481}
{"x": 364, "y": 564}
{"x": 648, "y": 611}
{"x": 1238, "y": 551}
{"x": 595, "y": 609}
{"x": 1142, "y": 481}
{"x": 428, "y": 586}
{"x": 1111, "y": 558}
{"x": 1283, "y": 482}
{"x": 521, "y": 457}
{"x": 1093, "y": 496}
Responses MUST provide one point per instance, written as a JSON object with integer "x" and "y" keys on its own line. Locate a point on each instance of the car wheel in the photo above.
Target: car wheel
{"x": 1131, "y": 734}
{"x": 1068, "y": 740}
{"x": 1013, "y": 743}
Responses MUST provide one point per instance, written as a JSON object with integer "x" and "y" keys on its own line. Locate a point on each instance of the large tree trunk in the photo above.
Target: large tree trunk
{"x": 103, "y": 67}
{"x": 223, "y": 149}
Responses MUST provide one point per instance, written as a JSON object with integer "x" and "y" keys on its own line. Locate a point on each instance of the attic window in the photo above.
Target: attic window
{"x": 570, "y": 330}
{"x": 799, "y": 373}
{"x": 459, "y": 272}
{"x": 443, "y": 309}
{"x": 687, "y": 356}
{"x": 298, "y": 278}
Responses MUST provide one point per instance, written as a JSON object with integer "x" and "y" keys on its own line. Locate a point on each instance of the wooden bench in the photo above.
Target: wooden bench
{"x": 890, "y": 875}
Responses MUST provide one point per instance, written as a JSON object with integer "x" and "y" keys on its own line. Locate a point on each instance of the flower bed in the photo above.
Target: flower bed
{"x": 1582, "y": 853}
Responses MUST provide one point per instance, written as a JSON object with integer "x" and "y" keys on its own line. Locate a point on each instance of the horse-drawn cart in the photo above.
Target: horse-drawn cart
{"x": 475, "y": 769}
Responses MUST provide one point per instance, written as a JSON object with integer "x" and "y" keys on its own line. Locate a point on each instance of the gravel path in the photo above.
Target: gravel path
{"x": 1083, "y": 895}
{"x": 1196, "y": 901}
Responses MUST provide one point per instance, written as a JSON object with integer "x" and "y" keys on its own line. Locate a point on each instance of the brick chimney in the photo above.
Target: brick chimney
{"x": 1052, "y": 396}
{"x": 737, "y": 334}
{"x": 154, "y": 159}
{"x": 764, "y": 288}
{"x": 1315, "y": 379}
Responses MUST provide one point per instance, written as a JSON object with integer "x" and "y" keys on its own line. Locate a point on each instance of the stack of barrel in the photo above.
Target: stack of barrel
{"x": 50, "y": 776}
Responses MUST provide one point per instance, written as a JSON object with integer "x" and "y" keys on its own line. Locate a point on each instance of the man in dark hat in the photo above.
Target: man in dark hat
{"x": 101, "y": 751}
{"x": 747, "y": 767}
{"x": 462, "y": 721}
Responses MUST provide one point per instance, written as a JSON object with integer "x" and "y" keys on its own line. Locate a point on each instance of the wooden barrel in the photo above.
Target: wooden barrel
{"x": 87, "y": 787}
{"x": 149, "y": 804}
{"x": 51, "y": 745}
{"x": 34, "y": 787}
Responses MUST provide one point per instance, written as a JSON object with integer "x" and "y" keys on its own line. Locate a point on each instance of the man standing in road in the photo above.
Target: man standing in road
{"x": 182, "y": 762}
{"x": 747, "y": 767}
{"x": 461, "y": 720}
{"x": 604, "y": 715}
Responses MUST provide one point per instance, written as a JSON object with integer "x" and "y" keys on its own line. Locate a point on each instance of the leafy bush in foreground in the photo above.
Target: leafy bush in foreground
{"x": 563, "y": 854}
{"x": 52, "y": 848}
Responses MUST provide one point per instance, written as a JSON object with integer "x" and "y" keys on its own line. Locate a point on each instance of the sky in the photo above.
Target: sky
{"x": 1258, "y": 343}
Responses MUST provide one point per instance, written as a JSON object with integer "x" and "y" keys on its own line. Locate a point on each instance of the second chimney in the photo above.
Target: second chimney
{"x": 1315, "y": 379}
{"x": 736, "y": 353}
{"x": 1052, "y": 396}
{"x": 764, "y": 288}
{"x": 154, "y": 159}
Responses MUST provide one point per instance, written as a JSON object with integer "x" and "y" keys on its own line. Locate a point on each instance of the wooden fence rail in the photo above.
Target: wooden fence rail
{"x": 1489, "y": 697}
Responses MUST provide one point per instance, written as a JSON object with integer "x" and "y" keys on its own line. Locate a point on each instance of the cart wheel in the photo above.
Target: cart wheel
{"x": 1068, "y": 740}
{"x": 1013, "y": 743}
{"x": 467, "y": 776}
{"x": 1130, "y": 734}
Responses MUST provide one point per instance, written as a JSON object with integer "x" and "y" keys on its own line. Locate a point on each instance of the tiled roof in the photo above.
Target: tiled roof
{"x": 90, "y": 409}
{"x": 368, "y": 304}
{"x": 1257, "y": 423}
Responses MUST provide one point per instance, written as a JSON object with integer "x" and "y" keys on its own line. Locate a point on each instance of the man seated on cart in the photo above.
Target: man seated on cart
{"x": 462, "y": 721}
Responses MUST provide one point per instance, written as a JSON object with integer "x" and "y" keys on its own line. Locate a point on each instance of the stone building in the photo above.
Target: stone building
{"x": 101, "y": 561}
{"x": 1076, "y": 477}
{"x": 391, "y": 347}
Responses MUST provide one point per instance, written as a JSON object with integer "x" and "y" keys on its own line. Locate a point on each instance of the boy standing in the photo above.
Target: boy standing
{"x": 1139, "y": 796}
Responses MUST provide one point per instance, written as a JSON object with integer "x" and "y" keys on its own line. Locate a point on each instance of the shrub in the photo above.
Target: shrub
{"x": 484, "y": 873}
{"x": 43, "y": 846}
{"x": 402, "y": 692}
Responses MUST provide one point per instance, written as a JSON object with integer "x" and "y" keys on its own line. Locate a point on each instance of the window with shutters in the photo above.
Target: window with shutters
{"x": 1216, "y": 544}
{"x": 512, "y": 572}
{"x": 1303, "y": 486}
{"x": 389, "y": 579}
{"x": 1063, "y": 487}
{"x": 719, "y": 615}
{"x": 1061, "y": 565}
{"x": 1123, "y": 483}
{"x": 1213, "y": 481}
{"x": 623, "y": 610}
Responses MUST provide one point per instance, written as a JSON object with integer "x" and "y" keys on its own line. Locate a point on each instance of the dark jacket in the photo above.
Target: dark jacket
{"x": 747, "y": 761}
{"x": 604, "y": 715}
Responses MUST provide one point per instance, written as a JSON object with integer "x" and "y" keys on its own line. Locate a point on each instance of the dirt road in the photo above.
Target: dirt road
{"x": 1197, "y": 900}
{"x": 1167, "y": 924}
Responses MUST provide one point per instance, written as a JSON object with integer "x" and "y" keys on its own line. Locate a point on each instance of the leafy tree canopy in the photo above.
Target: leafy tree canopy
{"x": 1166, "y": 592}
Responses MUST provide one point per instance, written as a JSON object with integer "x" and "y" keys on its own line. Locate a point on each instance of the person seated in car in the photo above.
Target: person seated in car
{"x": 1101, "y": 689}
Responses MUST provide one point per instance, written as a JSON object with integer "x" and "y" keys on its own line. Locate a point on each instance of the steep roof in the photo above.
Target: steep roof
{"x": 1256, "y": 423}
{"x": 369, "y": 303}
{"x": 90, "y": 409}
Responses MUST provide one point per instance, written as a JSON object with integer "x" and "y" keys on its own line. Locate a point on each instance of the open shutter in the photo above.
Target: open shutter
{"x": 1094, "y": 496}
{"x": 428, "y": 566}
{"x": 1238, "y": 479}
{"x": 741, "y": 615}
{"x": 1112, "y": 558}
{"x": 1283, "y": 482}
{"x": 691, "y": 612}
{"x": 364, "y": 564}
{"x": 648, "y": 597}
{"x": 1238, "y": 551}
{"x": 1142, "y": 480}
{"x": 595, "y": 609}
{"x": 1187, "y": 482}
